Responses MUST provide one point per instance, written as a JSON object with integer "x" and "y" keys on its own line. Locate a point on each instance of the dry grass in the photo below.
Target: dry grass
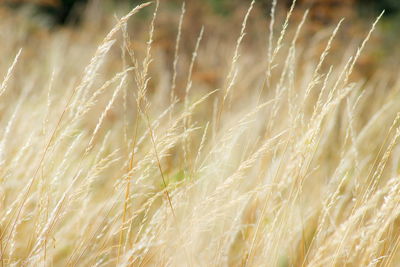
{"x": 114, "y": 152}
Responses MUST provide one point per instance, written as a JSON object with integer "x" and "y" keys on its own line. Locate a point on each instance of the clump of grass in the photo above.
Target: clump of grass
{"x": 284, "y": 160}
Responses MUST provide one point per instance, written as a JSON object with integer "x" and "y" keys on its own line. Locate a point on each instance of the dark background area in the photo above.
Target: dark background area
{"x": 64, "y": 11}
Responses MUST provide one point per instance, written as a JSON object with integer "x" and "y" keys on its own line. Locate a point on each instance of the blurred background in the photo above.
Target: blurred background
{"x": 46, "y": 16}
{"x": 64, "y": 11}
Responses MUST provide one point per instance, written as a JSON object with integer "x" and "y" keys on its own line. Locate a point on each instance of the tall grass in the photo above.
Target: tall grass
{"x": 239, "y": 153}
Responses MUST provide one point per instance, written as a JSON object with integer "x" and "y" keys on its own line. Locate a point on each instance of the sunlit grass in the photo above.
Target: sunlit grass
{"x": 117, "y": 151}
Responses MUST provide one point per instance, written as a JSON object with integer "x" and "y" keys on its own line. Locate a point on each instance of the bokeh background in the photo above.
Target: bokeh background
{"x": 61, "y": 10}
{"x": 45, "y": 16}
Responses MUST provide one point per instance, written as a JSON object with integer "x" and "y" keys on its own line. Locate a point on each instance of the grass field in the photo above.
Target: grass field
{"x": 251, "y": 143}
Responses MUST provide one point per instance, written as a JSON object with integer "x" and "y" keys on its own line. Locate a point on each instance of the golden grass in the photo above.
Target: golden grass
{"x": 113, "y": 153}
